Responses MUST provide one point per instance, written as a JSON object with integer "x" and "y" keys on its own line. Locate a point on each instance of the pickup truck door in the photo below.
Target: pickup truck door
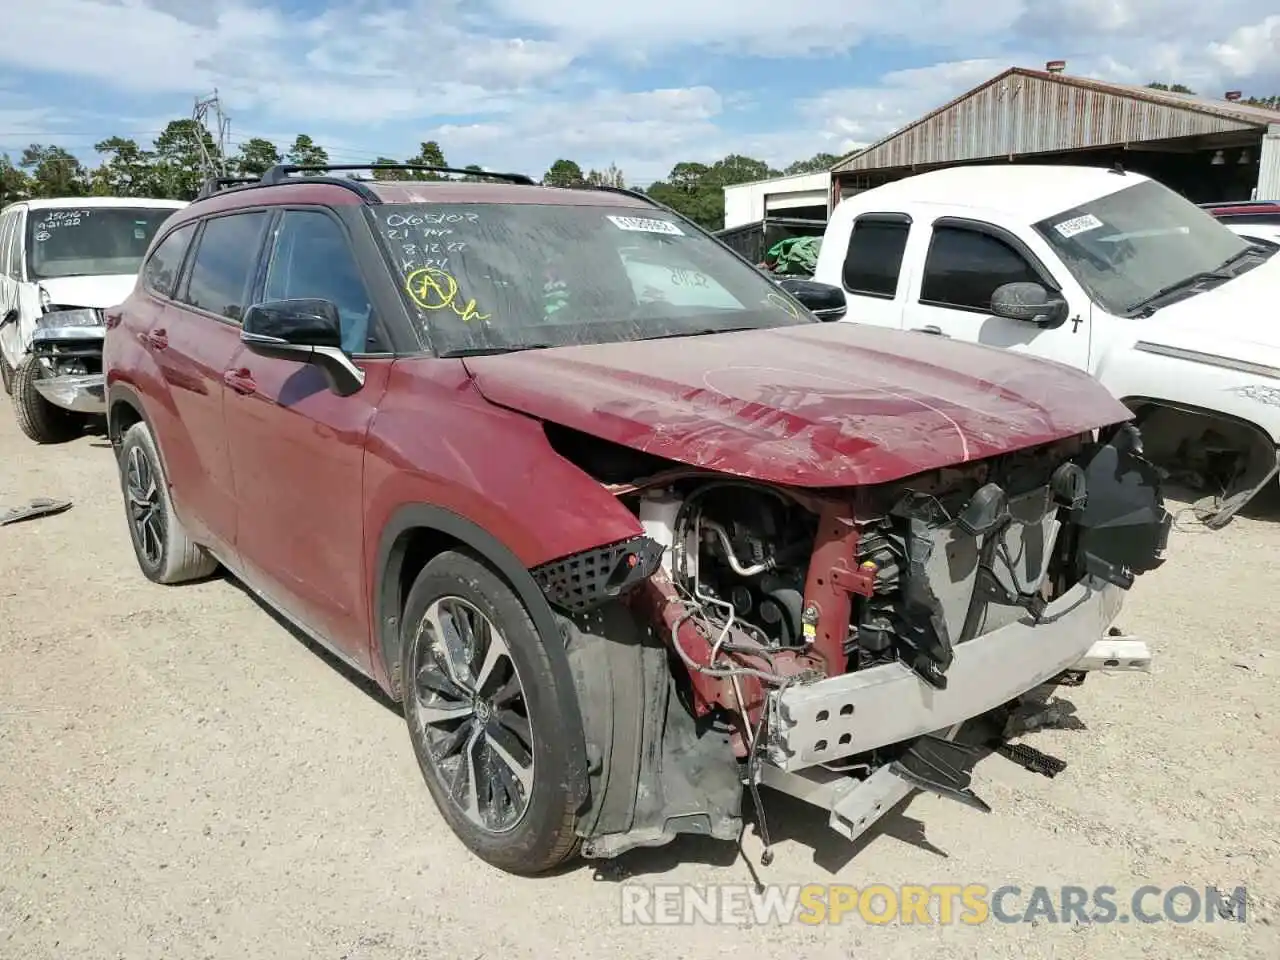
{"x": 872, "y": 272}
{"x": 962, "y": 262}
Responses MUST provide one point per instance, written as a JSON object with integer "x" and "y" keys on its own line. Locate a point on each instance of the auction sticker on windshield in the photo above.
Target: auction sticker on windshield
{"x": 1077, "y": 225}
{"x": 646, "y": 225}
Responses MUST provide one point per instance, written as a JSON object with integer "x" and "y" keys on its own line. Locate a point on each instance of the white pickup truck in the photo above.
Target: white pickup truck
{"x": 1103, "y": 270}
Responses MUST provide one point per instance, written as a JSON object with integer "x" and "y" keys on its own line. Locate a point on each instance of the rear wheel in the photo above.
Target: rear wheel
{"x": 164, "y": 551}
{"x": 486, "y": 725}
{"x": 39, "y": 419}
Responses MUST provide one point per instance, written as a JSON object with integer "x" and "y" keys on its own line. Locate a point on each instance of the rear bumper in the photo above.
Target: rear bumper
{"x": 823, "y": 722}
{"x": 80, "y": 394}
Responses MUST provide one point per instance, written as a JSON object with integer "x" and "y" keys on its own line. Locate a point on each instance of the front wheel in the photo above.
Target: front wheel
{"x": 487, "y": 727}
{"x": 39, "y": 419}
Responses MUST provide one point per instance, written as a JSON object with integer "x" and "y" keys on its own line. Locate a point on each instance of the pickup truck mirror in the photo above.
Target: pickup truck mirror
{"x": 821, "y": 299}
{"x": 305, "y": 331}
{"x": 1030, "y": 302}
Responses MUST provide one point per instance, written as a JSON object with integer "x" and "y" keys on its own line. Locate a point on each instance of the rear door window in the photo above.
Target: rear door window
{"x": 160, "y": 273}
{"x": 873, "y": 262}
{"x": 225, "y": 258}
{"x": 13, "y": 260}
{"x": 6, "y": 234}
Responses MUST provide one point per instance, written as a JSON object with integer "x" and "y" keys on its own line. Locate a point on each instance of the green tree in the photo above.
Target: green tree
{"x": 818, "y": 163}
{"x": 179, "y": 161}
{"x": 14, "y": 183}
{"x": 429, "y": 155}
{"x": 563, "y": 173}
{"x": 611, "y": 177}
{"x": 1174, "y": 88}
{"x": 697, "y": 190}
{"x": 54, "y": 172}
{"x": 389, "y": 174}
{"x": 127, "y": 170}
{"x": 255, "y": 157}
{"x": 306, "y": 153}
{"x": 1267, "y": 103}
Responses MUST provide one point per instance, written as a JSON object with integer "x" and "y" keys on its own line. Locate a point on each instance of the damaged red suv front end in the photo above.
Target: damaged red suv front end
{"x": 627, "y": 529}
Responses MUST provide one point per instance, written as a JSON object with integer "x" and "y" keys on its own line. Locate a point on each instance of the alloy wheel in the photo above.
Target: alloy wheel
{"x": 468, "y": 702}
{"x": 146, "y": 511}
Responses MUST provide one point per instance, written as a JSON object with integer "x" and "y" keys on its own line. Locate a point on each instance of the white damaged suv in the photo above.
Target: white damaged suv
{"x": 62, "y": 262}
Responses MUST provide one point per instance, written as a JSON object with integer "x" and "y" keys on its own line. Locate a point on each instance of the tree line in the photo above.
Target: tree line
{"x": 174, "y": 167}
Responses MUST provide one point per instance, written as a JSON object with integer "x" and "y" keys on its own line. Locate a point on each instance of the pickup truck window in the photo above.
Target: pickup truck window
{"x": 874, "y": 259}
{"x": 964, "y": 267}
{"x": 1128, "y": 245}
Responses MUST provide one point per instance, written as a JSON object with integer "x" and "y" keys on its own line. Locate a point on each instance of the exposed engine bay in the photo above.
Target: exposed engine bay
{"x": 812, "y": 624}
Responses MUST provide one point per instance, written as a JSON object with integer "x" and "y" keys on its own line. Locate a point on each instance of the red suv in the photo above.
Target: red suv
{"x": 626, "y": 527}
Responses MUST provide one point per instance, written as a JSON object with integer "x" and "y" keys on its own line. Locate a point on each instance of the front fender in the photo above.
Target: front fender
{"x": 1138, "y": 375}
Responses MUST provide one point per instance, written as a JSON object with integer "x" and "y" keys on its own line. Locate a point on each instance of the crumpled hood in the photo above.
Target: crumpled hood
{"x": 106, "y": 291}
{"x": 1237, "y": 319}
{"x": 814, "y": 405}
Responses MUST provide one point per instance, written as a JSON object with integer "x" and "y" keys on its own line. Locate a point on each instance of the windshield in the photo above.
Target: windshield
{"x": 90, "y": 241}
{"x": 1126, "y": 246}
{"x": 504, "y": 276}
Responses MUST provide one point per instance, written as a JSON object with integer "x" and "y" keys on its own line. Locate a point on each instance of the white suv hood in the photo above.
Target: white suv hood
{"x": 104, "y": 291}
{"x": 1239, "y": 319}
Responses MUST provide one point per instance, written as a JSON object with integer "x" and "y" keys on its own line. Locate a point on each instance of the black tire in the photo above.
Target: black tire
{"x": 538, "y": 832}
{"x": 39, "y": 419}
{"x": 164, "y": 551}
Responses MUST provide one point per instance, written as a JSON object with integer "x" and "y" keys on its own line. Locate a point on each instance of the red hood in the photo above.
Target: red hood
{"x": 836, "y": 404}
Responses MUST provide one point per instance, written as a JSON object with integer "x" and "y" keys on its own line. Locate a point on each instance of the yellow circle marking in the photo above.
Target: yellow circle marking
{"x": 433, "y": 289}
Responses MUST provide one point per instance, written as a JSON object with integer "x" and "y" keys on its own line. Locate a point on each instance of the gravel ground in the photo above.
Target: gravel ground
{"x": 182, "y": 777}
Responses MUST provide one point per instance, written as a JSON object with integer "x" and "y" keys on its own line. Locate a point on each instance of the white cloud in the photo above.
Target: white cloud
{"x": 762, "y": 27}
{"x": 1250, "y": 50}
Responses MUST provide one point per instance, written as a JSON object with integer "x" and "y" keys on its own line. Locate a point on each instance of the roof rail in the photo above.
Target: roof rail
{"x": 213, "y": 184}
{"x": 281, "y": 171}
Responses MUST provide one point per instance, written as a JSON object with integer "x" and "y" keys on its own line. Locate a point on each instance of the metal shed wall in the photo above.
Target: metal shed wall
{"x": 1028, "y": 112}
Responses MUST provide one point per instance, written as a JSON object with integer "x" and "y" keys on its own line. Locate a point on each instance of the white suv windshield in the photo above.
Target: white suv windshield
{"x": 1128, "y": 245}
{"x": 488, "y": 276}
{"x": 90, "y": 241}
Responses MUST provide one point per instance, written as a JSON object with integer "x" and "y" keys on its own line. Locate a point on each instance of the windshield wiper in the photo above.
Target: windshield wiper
{"x": 701, "y": 332}
{"x": 494, "y": 351}
{"x": 1147, "y": 304}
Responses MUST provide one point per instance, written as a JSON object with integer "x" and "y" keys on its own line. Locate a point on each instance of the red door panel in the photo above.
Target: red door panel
{"x": 191, "y": 352}
{"x": 297, "y": 456}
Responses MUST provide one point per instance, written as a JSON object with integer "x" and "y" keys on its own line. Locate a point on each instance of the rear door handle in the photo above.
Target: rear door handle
{"x": 156, "y": 339}
{"x": 933, "y": 329}
{"x": 241, "y": 381}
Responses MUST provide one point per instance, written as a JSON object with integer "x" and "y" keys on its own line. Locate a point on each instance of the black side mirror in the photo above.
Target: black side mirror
{"x": 305, "y": 331}
{"x": 821, "y": 299}
{"x": 1030, "y": 302}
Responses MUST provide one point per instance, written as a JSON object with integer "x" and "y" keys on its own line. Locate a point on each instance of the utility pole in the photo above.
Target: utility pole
{"x": 213, "y": 163}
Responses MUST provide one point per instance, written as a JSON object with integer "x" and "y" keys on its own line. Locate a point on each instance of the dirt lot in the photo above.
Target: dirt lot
{"x": 181, "y": 777}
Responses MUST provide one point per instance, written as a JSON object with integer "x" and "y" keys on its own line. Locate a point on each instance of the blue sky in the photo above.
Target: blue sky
{"x": 514, "y": 84}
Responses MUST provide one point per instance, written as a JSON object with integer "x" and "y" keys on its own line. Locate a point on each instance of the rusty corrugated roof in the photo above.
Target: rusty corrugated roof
{"x": 1024, "y": 111}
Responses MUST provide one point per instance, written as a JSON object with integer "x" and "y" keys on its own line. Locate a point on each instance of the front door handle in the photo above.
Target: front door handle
{"x": 933, "y": 329}
{"x": 156, "y": 339}
{"x": 241, "y": 381}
